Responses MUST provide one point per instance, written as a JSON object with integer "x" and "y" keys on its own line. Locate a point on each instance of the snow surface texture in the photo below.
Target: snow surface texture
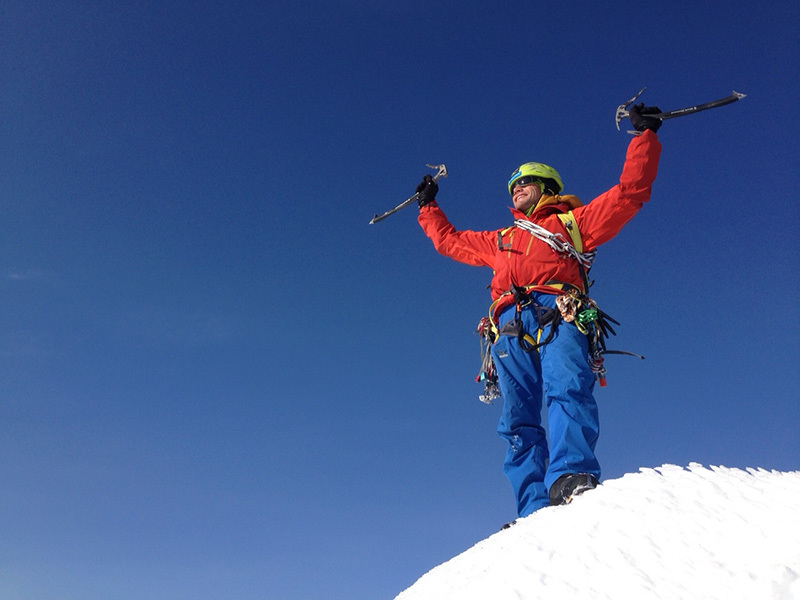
{"x": 670, "y": 533}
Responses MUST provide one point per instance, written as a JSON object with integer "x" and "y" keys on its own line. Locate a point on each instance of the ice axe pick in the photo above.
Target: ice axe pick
{"x": 623, "y": 112}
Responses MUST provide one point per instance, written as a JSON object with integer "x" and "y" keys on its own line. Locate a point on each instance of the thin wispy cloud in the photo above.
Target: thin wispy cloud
{"x": 25, "y": 275}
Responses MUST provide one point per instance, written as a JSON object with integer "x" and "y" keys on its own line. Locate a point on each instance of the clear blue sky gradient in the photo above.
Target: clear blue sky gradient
{"x": 219, "y": 381}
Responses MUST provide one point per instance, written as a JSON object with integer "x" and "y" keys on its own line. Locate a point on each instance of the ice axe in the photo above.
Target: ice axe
{"x": 441, "y": 172}
{"x": 622, "y": 109}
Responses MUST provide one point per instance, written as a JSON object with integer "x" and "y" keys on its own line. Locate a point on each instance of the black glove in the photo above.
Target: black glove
{"x": 426, "y": 191}
{"x": 639, "y": 119}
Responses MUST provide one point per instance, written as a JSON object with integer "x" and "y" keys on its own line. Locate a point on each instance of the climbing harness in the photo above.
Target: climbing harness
{"x": 572, "y": 306}
{"x": 488, "y": 331}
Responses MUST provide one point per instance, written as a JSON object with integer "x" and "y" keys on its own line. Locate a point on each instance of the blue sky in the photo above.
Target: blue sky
{"x": 219, "y": 381}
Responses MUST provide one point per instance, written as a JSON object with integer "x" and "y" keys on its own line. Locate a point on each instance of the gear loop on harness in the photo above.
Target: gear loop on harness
{"x": 488, "y": 373}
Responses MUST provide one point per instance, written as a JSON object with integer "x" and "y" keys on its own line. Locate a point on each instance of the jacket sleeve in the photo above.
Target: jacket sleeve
{"x": 604, "y": 217}
{"x": 476, "y": 248}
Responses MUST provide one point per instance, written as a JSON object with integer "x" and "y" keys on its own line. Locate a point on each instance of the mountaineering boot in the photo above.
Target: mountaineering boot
{"x": 566, "y": 487}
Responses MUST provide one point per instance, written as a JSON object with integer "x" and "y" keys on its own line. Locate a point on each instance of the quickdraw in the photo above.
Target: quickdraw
{"x": 488, "y": 374}
{"x": 584, "y": 313}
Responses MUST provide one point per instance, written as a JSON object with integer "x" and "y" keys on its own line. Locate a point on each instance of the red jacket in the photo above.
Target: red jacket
{"x": 518, "y": 257}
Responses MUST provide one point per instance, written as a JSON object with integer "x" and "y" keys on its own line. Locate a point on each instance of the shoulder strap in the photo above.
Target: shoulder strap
{"x": 568, "y": 219}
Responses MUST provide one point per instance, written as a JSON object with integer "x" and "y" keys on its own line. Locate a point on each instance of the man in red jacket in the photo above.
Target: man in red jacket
{"x": 545, "y": 328}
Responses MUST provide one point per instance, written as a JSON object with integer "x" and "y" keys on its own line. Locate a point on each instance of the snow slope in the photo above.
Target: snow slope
{"x": 669, "y": 533}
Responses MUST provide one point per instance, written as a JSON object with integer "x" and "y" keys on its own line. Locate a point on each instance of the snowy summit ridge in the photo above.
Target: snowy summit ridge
{"x": 669, "y": 532}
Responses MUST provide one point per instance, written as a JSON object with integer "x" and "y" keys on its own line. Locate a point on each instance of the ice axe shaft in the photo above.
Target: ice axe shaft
{"x": 441, "y": 172}
{"x": 623, "y": 112}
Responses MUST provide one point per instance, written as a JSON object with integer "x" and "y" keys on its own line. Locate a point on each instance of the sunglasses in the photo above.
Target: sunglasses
{"x": 523, "y": 181}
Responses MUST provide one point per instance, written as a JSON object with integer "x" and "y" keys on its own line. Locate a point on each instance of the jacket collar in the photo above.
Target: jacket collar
{"x": 548, "y": 205}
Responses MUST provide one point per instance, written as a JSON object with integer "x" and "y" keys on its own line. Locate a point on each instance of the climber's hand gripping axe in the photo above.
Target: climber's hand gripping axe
{"x": 623, "y": 112}
{"x": 441, "y": 172}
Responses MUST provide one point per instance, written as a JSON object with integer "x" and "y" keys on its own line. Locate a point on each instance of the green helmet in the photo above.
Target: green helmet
{"x": 538, "y": 172}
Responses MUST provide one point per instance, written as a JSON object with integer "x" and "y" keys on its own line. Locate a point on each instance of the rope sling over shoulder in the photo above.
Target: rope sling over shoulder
{"x": 572, "y": 306}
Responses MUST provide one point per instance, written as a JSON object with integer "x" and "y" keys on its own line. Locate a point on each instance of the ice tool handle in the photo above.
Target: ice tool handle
{"x": 623, "y": 112}
{"x": 441, "y": 171}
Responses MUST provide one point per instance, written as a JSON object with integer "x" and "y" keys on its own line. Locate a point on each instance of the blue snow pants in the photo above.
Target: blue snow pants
{"x": 558, "y": 373}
